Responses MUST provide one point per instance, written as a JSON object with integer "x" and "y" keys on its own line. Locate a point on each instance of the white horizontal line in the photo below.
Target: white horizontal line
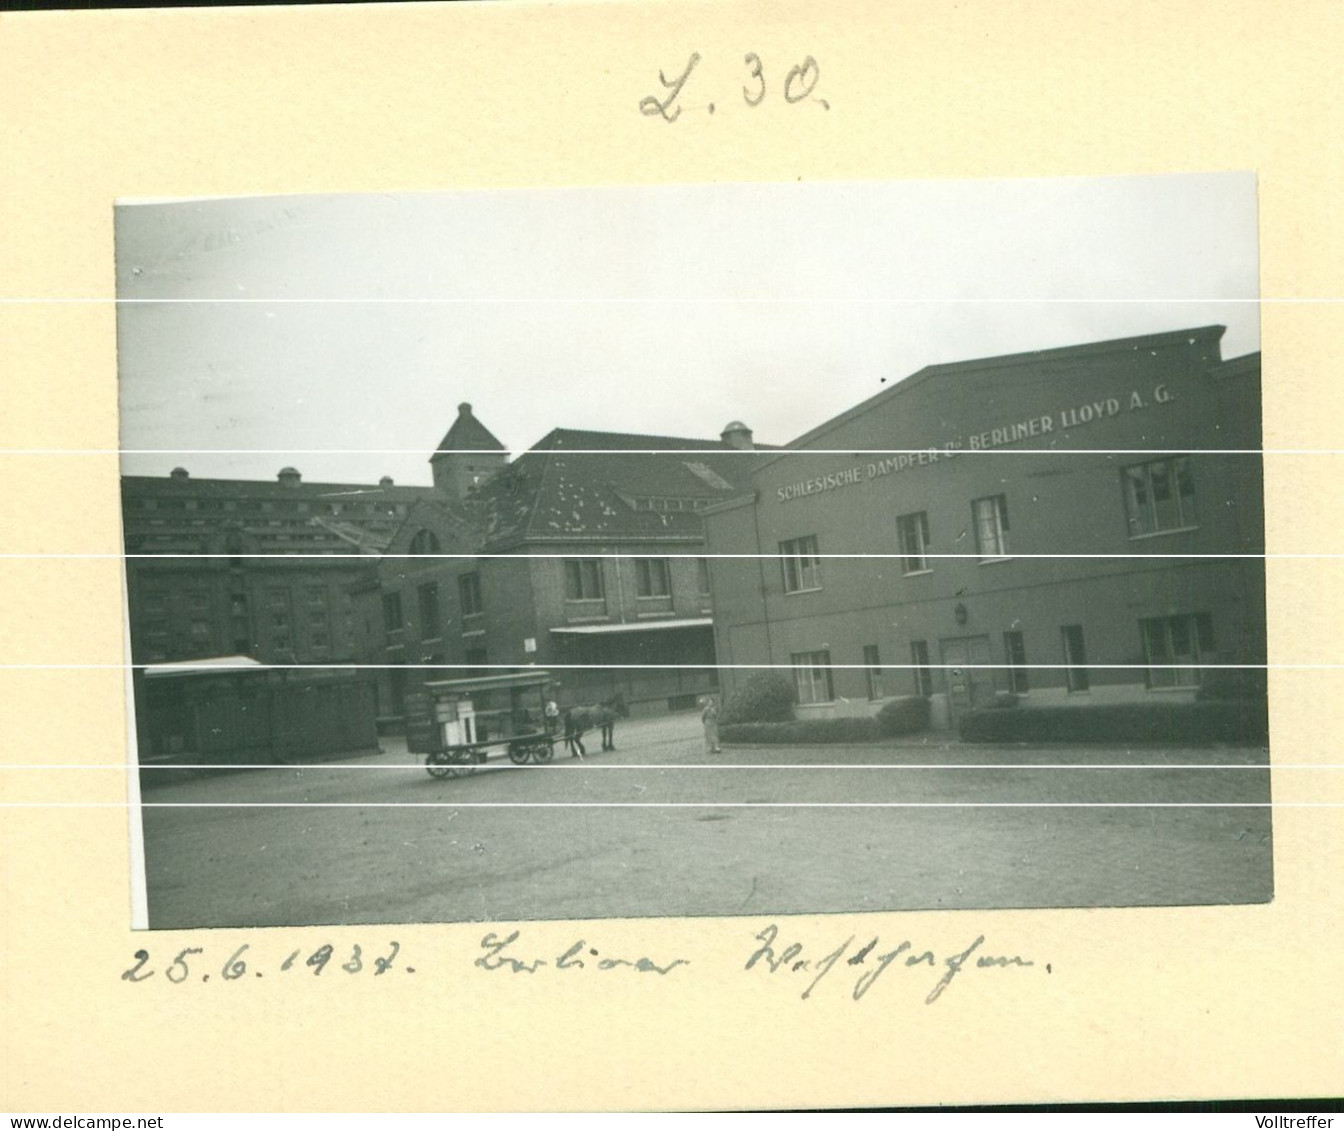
{"x": 682, "y": 766}
{"x": 618, "y": 556}
{"x": 771, "y": 453}
{"x": 522, "y": 669}
{"x": 448, "y": 804}
{"x": 653, "y": 300}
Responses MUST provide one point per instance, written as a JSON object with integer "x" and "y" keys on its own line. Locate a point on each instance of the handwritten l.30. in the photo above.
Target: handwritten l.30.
{"x": 799, "y": 85}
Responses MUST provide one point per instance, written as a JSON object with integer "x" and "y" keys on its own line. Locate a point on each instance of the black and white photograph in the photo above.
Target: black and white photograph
{"x": 694, "y": 551}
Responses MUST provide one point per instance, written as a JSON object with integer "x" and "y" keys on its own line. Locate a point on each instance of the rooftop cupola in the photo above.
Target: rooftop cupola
{"x": 737, "y": 435}
{"x": 289, "y": 477}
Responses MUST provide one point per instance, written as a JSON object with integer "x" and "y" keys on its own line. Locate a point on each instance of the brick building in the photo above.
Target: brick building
{"x": 586, "y": 551}
{"x": 960, "y": 460}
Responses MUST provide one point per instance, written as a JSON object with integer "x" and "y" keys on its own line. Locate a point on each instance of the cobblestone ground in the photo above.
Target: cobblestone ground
{"x": 661, "y": 828}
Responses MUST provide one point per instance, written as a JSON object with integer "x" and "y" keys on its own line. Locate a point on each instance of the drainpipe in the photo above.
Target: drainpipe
{"x": 620, "y": 587}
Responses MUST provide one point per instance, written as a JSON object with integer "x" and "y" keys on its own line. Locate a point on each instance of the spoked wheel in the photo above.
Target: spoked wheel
{"x": 543, "y": 752}
{"x": 519, "y": 753}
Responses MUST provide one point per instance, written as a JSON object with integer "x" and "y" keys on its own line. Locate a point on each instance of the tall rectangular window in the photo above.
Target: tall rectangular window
{"x": 912, "y": 531}
{"x": 392, "y": 619}
{"x": 919, "y": 660}
{"x": 1175, "y": 647}
{"x": 651, "y": 578}
{"x": 802, "y": 565}
{"x": 469, "y": 593}
{"x": 812, "y": 677}
{"x": 583, "y": 579}
{"x": 1015, "y": 650}
{"x": 1075, "y": 658}
{"x": 702, "y": 576}
{"x": 991, "y": 526}
{"x": 429, "y": 611}
{"x": 872, "y": 663}
{"x": 1159, "y": 496}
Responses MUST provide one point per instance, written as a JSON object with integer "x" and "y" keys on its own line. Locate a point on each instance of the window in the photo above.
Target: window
{"x": 1075, "y": 658}
{"x": 872, "y": 662}
{"x": 1159, "y": 496}
{"x": 583, "y": 580}
{"x": 991, "y": 526}
{"x": 392, "y": 619}
{"x": 919, "y": 661}
{"x": 425, "y": 542}
{"x": 1175, "y": 647}
{"x": 1015, "y": 649}
{"x": 913, "y": 532}
{"x": 812, "y": 677}
{"x": 429, "y": 611}
{"x": 469, "y": 594}
{"x": 802, "y": 566}
{"x": 702, "y": 576}
{"x": 651, "y": 578}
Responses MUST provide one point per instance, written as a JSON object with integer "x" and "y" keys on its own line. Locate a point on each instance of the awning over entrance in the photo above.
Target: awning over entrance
{"x": 637, "y": 626}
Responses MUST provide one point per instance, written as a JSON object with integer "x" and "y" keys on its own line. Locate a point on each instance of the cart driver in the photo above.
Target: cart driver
{"x": 552, "y": 713}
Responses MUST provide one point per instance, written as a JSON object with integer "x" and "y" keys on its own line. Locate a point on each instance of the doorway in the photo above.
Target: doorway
{"x": 969, "y": 684}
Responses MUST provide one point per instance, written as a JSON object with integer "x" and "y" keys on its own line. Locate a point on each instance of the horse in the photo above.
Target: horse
{"x": 596, "y": 716}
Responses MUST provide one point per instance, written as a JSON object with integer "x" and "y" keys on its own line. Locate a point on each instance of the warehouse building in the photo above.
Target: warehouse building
{"x": 1047, "y": 524}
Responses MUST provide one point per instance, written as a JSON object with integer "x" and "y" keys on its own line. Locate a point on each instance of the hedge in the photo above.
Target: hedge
{"x": 1240, "y": 722}
{"x": 765, "y": 697}
{"x": 805, "y": 731}
{"x": 907, "y": 715}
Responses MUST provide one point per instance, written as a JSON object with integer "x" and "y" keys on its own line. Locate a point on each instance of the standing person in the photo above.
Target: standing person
{"x": 710, "y": 717}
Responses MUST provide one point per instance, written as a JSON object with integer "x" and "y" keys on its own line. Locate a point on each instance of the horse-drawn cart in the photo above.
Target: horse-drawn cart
{"x": 459, "y": 724}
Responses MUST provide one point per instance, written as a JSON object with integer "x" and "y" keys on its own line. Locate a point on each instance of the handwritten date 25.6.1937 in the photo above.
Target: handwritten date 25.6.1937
{"x": 188, "y": 963}
{"x": 800, "y": 85}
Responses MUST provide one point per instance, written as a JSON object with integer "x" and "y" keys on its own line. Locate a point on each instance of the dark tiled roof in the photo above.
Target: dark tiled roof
{"x": 624, "y": 486}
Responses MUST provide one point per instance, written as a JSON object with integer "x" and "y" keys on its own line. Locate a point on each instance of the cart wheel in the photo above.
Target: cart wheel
{"x": 519, "y": 752}
{"x": 543, "y": 752}
{"x": 438, "y": 765}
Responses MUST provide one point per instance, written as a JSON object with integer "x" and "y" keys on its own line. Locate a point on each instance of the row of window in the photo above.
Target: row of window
{"x": 431, "y": 623}
{"x": 266, "y": 506}
{"x": 653, "y": 578}
{"x": 1159, "y": 497}
{"x": 1174, "y": 647}
{"x": 583, "y": 582}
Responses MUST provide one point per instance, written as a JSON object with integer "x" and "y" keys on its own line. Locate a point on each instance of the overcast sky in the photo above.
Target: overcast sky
{"x": 667, "y": 310}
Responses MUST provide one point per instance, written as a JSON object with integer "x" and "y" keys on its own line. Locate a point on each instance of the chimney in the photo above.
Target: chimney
{"x": 385, "y": 482}
{"x": 289, "y": 477}
{"x": 464, "y": 409}
{"x": 180, "y": 474}
{"x": 737, "y": 435}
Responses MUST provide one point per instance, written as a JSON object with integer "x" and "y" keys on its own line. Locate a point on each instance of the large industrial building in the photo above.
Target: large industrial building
{"x": 1071, "y": 525}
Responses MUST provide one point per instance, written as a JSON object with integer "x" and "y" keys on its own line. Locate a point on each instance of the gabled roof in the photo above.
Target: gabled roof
{"x": 577, "y": 485}
{"x": 466, "y": 435}
{"x": 1203, "y": 339}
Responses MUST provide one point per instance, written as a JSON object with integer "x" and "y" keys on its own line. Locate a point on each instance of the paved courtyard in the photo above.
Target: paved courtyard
{"x": 661, "y": 828}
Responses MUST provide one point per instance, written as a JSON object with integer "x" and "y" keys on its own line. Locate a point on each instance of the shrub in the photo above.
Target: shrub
{"x": 765, "y": 697}
{"x": 907, "y": 715}
{"x": 1183, "y": 724}
{"x": 805, "y": 731}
